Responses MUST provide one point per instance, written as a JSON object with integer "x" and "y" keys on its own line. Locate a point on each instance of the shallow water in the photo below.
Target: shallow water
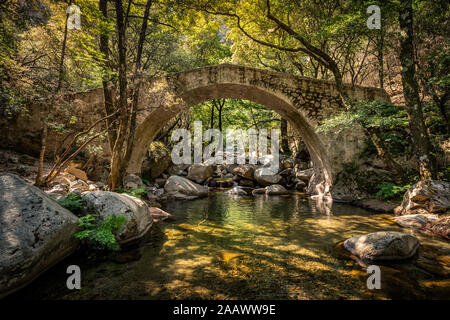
{"x": 226, "y": 247}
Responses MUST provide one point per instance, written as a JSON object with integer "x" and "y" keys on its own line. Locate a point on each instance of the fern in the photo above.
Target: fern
{"x": 100, "y": 234}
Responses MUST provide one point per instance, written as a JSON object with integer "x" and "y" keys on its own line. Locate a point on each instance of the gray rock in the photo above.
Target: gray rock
{"x": 138, "y": 218}
{"x": 245, "y": 171}
{"x": 228, "y": 176}
{"x": 177, "y": 184}
{"x": 384, "y": 245}
{"x": 35, "y": 233}
{"x": 416, "y": 221}
{"x": 259, "y": 191}
{"x": 426, "y": 222}
{"x": 266, "y": 180}
{"x": 59, "y": 188}
{"x": 300, "y": 186}
{"x": 178, "y": 170}
{"x": 132, "y": 181}
{"x": 276, "y": 189}
{"x": 429, "y": 196}
{"x": 305, "y": 175}
{"x": 200, "y": 172}
{"x": 78, "y": 185}
{"x": 237, "y": 191}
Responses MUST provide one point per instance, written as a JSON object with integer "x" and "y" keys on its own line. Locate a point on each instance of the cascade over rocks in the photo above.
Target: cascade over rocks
{"x": 35, "y": 233}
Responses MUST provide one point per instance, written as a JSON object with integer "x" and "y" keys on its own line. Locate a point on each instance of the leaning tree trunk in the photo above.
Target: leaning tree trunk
{"x": 423, "y": 148}
{"x": 44, "y": 132}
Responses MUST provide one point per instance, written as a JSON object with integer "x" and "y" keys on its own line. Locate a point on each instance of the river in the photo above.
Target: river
{"x": 228, "y": 247}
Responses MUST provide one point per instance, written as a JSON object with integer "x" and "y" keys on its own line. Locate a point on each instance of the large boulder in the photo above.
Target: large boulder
{"x": 245, "y": 171}
{"x": 429, "y": 196}
{"x": 276, "y": 189}
{"x": 200, "y": 172}
{"x": 305, "y": 175}
{"x": 426, "y": 222}
{"x": 416, "y": 221}
{"x": 35, "y": 233}
{"x": 157, "y": 162}
{"x": 384, "y": 245}
{"x": 266, "y": 180}
{"x": 179, "y": 185}
{"x": 441, "y": 227}
{"x": 178, "y": 169}
{"x": 136, "y": 212}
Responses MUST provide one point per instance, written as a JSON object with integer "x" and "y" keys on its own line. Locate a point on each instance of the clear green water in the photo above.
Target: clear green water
{"x": 225, "y": 247}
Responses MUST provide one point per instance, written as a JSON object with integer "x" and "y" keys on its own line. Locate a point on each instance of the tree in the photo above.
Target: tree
{"x": 423, "y": 148}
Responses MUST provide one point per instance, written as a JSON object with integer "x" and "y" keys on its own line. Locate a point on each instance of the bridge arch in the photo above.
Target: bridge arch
{"x": 301, "y": 101}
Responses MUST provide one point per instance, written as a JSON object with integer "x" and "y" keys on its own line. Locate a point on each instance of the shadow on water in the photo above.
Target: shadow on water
{"x": 253, "y": 248}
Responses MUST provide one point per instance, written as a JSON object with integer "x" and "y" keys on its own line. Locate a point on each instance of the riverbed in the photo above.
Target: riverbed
{"x": 244, "y": 247}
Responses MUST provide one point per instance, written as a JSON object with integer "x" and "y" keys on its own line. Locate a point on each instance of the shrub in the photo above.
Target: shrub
{"x": 137, "y": 193}
{"x": 72, "y": 202}
{"x": 390, "y": 191}
{"x": 100, "y": 234}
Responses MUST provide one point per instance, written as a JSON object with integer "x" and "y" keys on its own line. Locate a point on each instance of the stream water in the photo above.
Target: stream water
{"x": 226, "y": 247}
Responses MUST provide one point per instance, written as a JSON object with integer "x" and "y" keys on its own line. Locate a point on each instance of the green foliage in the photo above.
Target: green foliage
{"x": 369, "y": 114}
{"x": 137, "y": 193}
{"x": 100, "y": 234}
{"x": 389, "y": 191}
{"x": 72, "y": 202}
{"x": 351, "y": 167}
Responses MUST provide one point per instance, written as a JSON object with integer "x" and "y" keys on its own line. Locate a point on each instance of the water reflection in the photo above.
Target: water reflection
{"x": 256, "y": 248}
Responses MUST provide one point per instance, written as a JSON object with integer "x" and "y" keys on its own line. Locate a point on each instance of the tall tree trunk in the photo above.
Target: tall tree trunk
{"x": 107, "y": 92}
{"x": 423, "y": 148}
{"x": 386, "y": 156}
{"x": 116, "y": 174}
{"x": 212, "y": 115}
{"x": 380, "y": 56}
{"x": 284, "y": 136}
{"x": 137, "y": 81}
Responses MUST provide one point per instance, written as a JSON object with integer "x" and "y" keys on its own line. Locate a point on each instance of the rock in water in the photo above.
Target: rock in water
{"x": 426, "y": 222}
{"x": 416, "y": 221}
{"x": 384, "y": 245}
{"x": 427, "y": 196}
{"x": 200, "y": 172}
{"x": 35, "y": 233}
{"x": 237, "y": 191}
{"x": 276, "y": 189}
{"x": 179, "y": 185}
{"x": 245, "y": 171}
{"x": 266, "y": 180}
{"x": 136, "y": 212}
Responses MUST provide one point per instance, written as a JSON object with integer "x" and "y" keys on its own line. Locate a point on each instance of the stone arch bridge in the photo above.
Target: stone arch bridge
{"x": 300, "y": 100}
